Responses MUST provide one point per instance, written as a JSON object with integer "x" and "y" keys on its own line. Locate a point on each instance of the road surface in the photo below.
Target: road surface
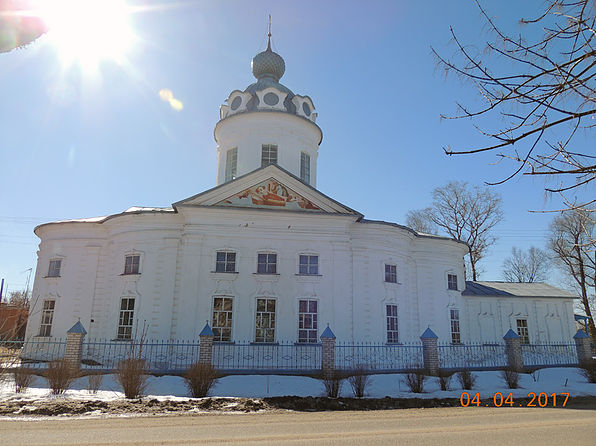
{"x": 444, "y": 426}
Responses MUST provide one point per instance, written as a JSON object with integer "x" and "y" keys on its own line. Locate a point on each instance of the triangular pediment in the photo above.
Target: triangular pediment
{"x": 269, "y": 187}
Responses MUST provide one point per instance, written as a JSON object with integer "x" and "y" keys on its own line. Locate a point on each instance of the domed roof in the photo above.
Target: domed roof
{"x": 268, "y": 64}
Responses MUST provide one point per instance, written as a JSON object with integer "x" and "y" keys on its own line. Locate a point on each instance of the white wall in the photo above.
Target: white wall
{"x": 175, "y": 289}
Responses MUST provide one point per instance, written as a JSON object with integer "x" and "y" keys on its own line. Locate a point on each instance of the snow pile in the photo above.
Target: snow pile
{"x": 553, "y": 380}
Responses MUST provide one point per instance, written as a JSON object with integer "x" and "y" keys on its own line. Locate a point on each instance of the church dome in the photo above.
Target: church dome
{"x": 268, "y": 64}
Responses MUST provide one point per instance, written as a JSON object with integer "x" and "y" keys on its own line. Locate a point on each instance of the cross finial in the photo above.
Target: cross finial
{"x": 269, "y": 34}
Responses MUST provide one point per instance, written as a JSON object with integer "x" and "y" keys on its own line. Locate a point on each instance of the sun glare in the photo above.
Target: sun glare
{"x": 88, "y": 31}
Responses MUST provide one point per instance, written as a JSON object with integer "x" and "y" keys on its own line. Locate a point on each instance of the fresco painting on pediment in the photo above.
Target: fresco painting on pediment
{"x": 269, "y": 194}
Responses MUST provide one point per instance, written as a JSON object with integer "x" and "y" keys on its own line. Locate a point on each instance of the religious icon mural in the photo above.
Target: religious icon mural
{"x": 269, "y": 194}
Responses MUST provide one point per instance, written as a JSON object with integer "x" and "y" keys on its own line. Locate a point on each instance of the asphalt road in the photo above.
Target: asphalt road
{"x": 444, "y": 426}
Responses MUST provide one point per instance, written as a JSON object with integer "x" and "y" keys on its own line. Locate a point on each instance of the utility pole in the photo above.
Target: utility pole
{"x": 1, "y": 289}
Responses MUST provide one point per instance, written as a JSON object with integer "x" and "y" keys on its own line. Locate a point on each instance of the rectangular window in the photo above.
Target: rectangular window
{"x": 305, "y": 167}
{"x": 307, "y": 321}
{"x": 452, "y": 281}
{"x": 455, "y": 333}
{"x": 522, "y": 331}
{"x": 127, "y": 309}
{"x": 265, "y": 321}
{"x": 390, "y": 273}
{"x": 131, "y": 264}
{"x": 54, "y": 269}
{"x": 47, "y": 316}
{"x": 231, "y": 163}
{"x": 222, "y": 319}
{"x": 267, "y": 264}
{"x": 309, "y": 265}
{"x": 226, "y": 262}
{"x": 268, "y": 154}
{"x": 392, "y": 334}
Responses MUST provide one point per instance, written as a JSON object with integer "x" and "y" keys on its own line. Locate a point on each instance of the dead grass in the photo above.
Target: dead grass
{"x": 132, "y": 376}
{"x": 414, "y": 379}
{"x": 200, "y": 378}
{"x": 94, "y": 382}
{"x": 359, "y": 379}
{"x": 60, "y": 376}
{"x": 466, "y": 379}
{"x": 22, "y": 379}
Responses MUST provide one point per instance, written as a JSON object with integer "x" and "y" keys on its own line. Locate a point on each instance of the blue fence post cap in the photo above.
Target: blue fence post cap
{"x": 327, "y": 334}
{"x": 511, "y": 335}
{"x": 206, "y": 331}
{"x": 428, "y": 334}
{"x": 78, "y": 328}
{"x": 580, "y": 334}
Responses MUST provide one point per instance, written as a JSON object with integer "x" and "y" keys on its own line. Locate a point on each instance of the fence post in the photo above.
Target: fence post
{"x": 206, "y": 345}
{"x": 328, "y": 353}
{"x": 513, "y": 350}
{"x": 74, "y": 346}
{"x": 582, "y": 346}
{"x": 430, "y": 351}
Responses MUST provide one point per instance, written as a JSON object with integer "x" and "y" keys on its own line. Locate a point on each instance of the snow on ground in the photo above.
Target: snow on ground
{"x": 553, "y": 380}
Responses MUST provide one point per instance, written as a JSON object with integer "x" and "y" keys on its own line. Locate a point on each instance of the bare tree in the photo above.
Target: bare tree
{"x": 526, "y": 266}
{"x": 534, "y": 87}
{"x": 19, "y": 26}
{"x": 19, "y": 299}
{"x": 572, "y": 242}
{"x": 418, "y": 220}
{"x": 466, "y": 214}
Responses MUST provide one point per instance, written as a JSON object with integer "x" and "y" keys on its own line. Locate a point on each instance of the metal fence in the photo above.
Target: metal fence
{"x": 160, "y": 356}
{"x": 378, "y": 357}
{"x": 281, "y": 357}
{"x": 34, "y": 352}
{"x": 538, "y": 355}
{"x": 472, "y": 356}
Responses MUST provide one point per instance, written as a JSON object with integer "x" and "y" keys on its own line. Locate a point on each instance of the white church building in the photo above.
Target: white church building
{"x": 265, "y": 257}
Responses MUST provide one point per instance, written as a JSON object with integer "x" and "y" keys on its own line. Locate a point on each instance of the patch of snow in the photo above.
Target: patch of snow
{"x": 553, "y": 380}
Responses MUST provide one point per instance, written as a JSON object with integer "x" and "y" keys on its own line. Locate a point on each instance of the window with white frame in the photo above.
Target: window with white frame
{"x": 225, "y": 262}
{"x": 452, "y": 281}
{"x": 392, "y": 332}
{"x": 522, "y": 331}
{"x": 305, "y": 167}
{"x": 47, "y": 316}
{"x": 125, "y": 319}
{"x": 265, "y": 320}
{"x": 54, "y": 268}
{"x": 222, "y": 319}
{"x": 266, "y": 263}
{"x": 390, "y": 273}
{"x": 455, "y": 332}
{"x": 307, "y": 321}
{"x": 308, "y": 265}
{"x": 231, "y": 163}
{"x": 268, "y": 154}
{"x": 131, "y": 263}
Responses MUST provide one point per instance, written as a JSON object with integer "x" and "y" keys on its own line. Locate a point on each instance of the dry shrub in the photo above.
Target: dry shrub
{"x": 466, "y": 379}
{"x": 132, "y": 376}
{"x": 511, "y": 378}
{"x": 332, "y": 382}
{"x": 445, "y": 379}
{"x": 22, "y": 379}
{"x": 414, "y": 379}
{"x": 60, "y": 376}
{"x": 200, "y": 378}
{"x": 94, "y": 382}
{"x": 588, "y": 371}
{"x": 359, "y": 379}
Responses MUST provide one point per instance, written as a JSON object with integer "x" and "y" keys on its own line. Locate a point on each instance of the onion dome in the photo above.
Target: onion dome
{"x": 268, "y": 64}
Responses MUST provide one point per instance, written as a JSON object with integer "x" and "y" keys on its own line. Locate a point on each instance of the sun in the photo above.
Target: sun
{"x": 88, "y": 31}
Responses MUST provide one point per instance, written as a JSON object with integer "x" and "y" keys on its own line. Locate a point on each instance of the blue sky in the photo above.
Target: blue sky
{"x": 78, "y": 144}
